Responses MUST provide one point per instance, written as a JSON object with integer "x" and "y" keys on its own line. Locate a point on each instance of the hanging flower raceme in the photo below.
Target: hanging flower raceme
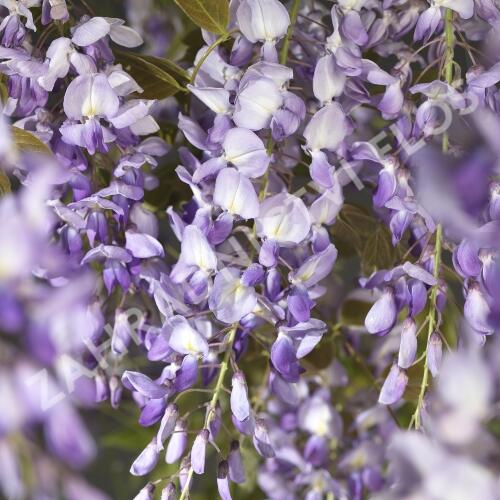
{"x": 262, "y": 249}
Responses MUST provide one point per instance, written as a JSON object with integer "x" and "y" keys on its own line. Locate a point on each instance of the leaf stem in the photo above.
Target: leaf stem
{"x": 213, "y": 402}
{"x": 209, "y": 50}
{"x": 293, "y": 19}
{"x": 449, "y": 55}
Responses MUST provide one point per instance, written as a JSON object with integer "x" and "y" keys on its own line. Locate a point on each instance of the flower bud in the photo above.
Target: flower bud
{"x": 101, "y": 387}
{"x": 146, "y": 461}
{"x": 115, "y": 389}
{"x": 408, "y": 344}
{"x": 240, "y": 405}
{"x": 215, "y": 421}
{"x": 261, "y": 439}
{"x": 147, "y": 493}
{"x": 177, "y": 444}
{"x": 394, "y": 386}
{"x": 235, "y": 462}
{"x": 223, "y": 481}
{"x": 434, "y": 354}
{"x": 168, "y": 493}
{"x": 167, "y": 424}
{"x": 198, "y": 451}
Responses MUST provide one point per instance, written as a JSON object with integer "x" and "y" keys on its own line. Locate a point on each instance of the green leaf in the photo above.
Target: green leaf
{"x": 4, "y": 93}
{"x": 4, "y": 183}
{"x": 353, "y": 312}
{"x": 251, "y": 461}
{"x": 378, "y": 252}
{"x": 321, "y": 356}
{"x": 26, "y": 142}
{"x": 168, "y": 66}
{"x": 351, "y": 228}
{"x": 358, "y": 218}
{"x": 211, "y": 15}
{"x": 125, "y": 439}
{"x": 164, "y": 64}
{"x": 153, "y": 74}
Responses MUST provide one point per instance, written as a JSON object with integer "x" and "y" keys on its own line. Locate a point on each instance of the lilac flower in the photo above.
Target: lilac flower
{"x": 146, "y": 493}
{"x": 315, "y": 268}
{"x": 184, "y": 339}
{"x": 167, "y": 425}
{"x": 230, "y": 299}
{"x": 235, "y": 193}
{"x": 88, "y": 98}
{"x": 85, "y": 242}
{"x": 240, "y": 405}
{"x": 318, "y": 417}
{"x": 263, "y": 21}
{"x": 477, "y": 310}
{"x": 235, "y": 462}
{"x": 430, "y": 18}
{"x": 329, "y": 80}
{"x": 318, "y": 133}
{"x": 61, "y": 56}
{"x": 145, "y": 462}
{"x": 434, "y": 353}
{"x": 283, "y": 218}
{"x": 92, "y": 30}
{"x": 408, "y": 345}
{"x": 177, "y": 443}
{"x": 223, "y": 480}
{"x": 261, "y": 439}
{"x": 198, "y": 452}
{"x": 168, "y": 492}
{"x": 143, "y": 384}
{"x": 257, "y": 101}
{"x": 383, "y": 314}
{"x": 56, "y": 10}
{"x": 394, "y": 386}
{"x": 19, "y": 8}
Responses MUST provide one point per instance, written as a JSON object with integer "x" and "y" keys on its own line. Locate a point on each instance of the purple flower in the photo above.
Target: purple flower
{"x": 235, "y": 462}
{"x": 329, "y": 80}
{"x": 91, "y": 31}
{"x": 434, "y": 353}
{"x": 477, "y": 310}
{"x": 383, "y": 314}
{"x": 223, "y": 480}
{"x": 261, "y": 439}
{"x": 143, "y": 246}
{"x": 177, "y": 444}
{"x": 318, "y": 132}
{"x": 235, "y": 193}
{"x": 184, "y": 339}
{"x": 315, "y": 268}
{"x": 257, "y": 101}
{"x": 146, "y": 461}
{"x": 408, "y": 344}
{"x": 240, "y": 405}
{"x": 230, "y": 299}
{"x": 394, "y": 386}
{"x": 88, "y": 98}
{"x": 283, "y": 218}
{"x": 263, "y": 21}
{"x": 198, "y": 452}
{"x": 167, "y": 425}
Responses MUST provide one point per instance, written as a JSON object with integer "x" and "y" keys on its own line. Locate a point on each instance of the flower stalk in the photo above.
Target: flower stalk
{"x": 432, "y": 317}
{"x": 213, "y": 402}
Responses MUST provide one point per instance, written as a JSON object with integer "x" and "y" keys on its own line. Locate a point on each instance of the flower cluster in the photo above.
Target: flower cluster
{"x": 326, "y": 230}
